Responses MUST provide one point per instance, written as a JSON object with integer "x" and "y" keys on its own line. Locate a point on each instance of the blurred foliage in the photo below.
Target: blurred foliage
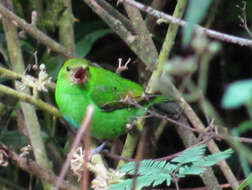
{"x": 237, "y": 94}
{"x": 195, "y": 13}
{"x": 13, "y": 139}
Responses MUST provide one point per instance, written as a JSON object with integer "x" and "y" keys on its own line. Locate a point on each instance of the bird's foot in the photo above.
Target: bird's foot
{"x": 98, "y": 149}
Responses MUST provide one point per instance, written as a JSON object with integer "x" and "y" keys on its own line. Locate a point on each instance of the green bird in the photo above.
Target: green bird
{"x": 114, "y": 98}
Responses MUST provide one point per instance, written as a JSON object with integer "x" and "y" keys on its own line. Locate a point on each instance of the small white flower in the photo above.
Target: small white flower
{"x": 40, "y": 83}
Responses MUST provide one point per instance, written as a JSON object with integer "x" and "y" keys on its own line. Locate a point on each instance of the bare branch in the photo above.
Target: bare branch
{"x": 31, "y": 99}
{"x": 33, "y": 31}
{"x": 85, "y": 124}
{"x": 243, "y": 18}
{"x": 211, "y": 33}
{"x": 34, "y": 169}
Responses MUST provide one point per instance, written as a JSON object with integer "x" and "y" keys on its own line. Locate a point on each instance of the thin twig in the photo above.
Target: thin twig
{"x": 30, "y": 99}
{"x": 33, "y": 31}
{"x": 65, "y": 26}
{"x": 118, "y": 27}
{"x": 143, "y": 35}
{"x": 16, "y": 76}
{"x": 85, "y": 173}
{"x": 139, "y": 154}
{"x": 31, "y": 119}
{"x": 115, "y": 13}
{"x": 151, "y": 21}
{"x": 85, "y": 124}
{"x": 34, "y": 169}
{"x": 243, "y": 18}
{"x": 209, "y": 32}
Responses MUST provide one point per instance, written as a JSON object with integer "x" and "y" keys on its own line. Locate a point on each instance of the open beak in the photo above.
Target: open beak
{"x": 80, "y": 75}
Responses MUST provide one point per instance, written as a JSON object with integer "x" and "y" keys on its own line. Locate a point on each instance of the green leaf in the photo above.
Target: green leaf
{"x": 237, "y": 93}
{"x": 53, "y": 65}
{"x": 214, "y": 158}
{"x": 190, "y": 170}
{"x": 84, "y": 45}
{"x": 142, "y": 181}
{"x": 191, "y": 155}
{"x": 83, "y": 28}
{"x": 191, "y": 162}
{"x": 13, "y": 139}
{"x": 25, "y": 45}
{"x": 195, "y": 13}
{"x": 148, "y": 167}
{"x": 246, "y": 182}
{"x": 199, "y": 166}
{"x": 242, "y": 128}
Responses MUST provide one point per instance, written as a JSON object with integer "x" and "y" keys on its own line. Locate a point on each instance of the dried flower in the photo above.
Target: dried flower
{"x": 37, "y": 84}
{"x": 25, "y": 150}
{"x": 3, "y": 158}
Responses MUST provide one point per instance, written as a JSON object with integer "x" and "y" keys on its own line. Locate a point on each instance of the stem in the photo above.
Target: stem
{"x": 151, "y": 21}
{"x": 66, "y": 31}
{"x": 118, "y": 27}
{"x": 209, "y": 32}
{"x": 156, "y": 75}
{"x": 85, "y": 124}
{"x": 143, "y": 35}
{"x": 213, "y": 148}
{"x": 34, "y": 169}
{"x": 189, "y": 139}
{"x": 30, "y": 116}
{"x": 31, "y": 99}
{"x": 33, "y": 31}
{"x": 167, "y": 45}
{"x": 130, "y": 144}
{"x": 116, "y": 14}
{"x": 16, "y": 76}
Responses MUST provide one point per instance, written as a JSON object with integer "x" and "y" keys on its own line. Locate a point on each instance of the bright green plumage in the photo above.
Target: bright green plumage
{"x": 80, "y": 84}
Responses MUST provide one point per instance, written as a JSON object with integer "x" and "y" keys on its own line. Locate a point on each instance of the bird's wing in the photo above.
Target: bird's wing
{"x": 109, "y": 90}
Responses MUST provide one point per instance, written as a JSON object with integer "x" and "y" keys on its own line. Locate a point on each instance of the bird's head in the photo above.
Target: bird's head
{"x": 75, "y": 71}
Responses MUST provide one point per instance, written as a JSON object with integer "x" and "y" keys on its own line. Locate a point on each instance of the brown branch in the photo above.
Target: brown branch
{"x": 33, "y": 31}
{"x": 86, "y": 146}
{"x": 85, "y": 124}
{"x": 118, "y": 27}
{"x": 243, "y": 19}
{"x": 30, "y": 117}
{"x": 16, "y": 76}
{"x": 116, "y": 14}
{"x": 34, "y": 169}
{"x": 30, "y": 99}
{"x": 209, "y": 32}
{"x": 65, "y": 25}
{"x": 151, "y": 21}
{"x": 143, "y": 35}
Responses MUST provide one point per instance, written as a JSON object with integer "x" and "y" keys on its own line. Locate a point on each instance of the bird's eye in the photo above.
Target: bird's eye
{"x": 68, "y": 68}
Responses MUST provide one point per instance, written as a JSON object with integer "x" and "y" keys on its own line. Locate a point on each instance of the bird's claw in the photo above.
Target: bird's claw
{"x": 98, "y": 149}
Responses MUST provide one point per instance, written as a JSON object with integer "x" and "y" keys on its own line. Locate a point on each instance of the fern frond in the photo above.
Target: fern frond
{"x": 150, "y": 172}
{"x": 190, "y": 170}
{"x": 199, "y": 166}
{"x": 142, "y": 181}
{"x": 214, "y": 158}
{"x": 149, "y": 167}
{"x": 191, "y": 155}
